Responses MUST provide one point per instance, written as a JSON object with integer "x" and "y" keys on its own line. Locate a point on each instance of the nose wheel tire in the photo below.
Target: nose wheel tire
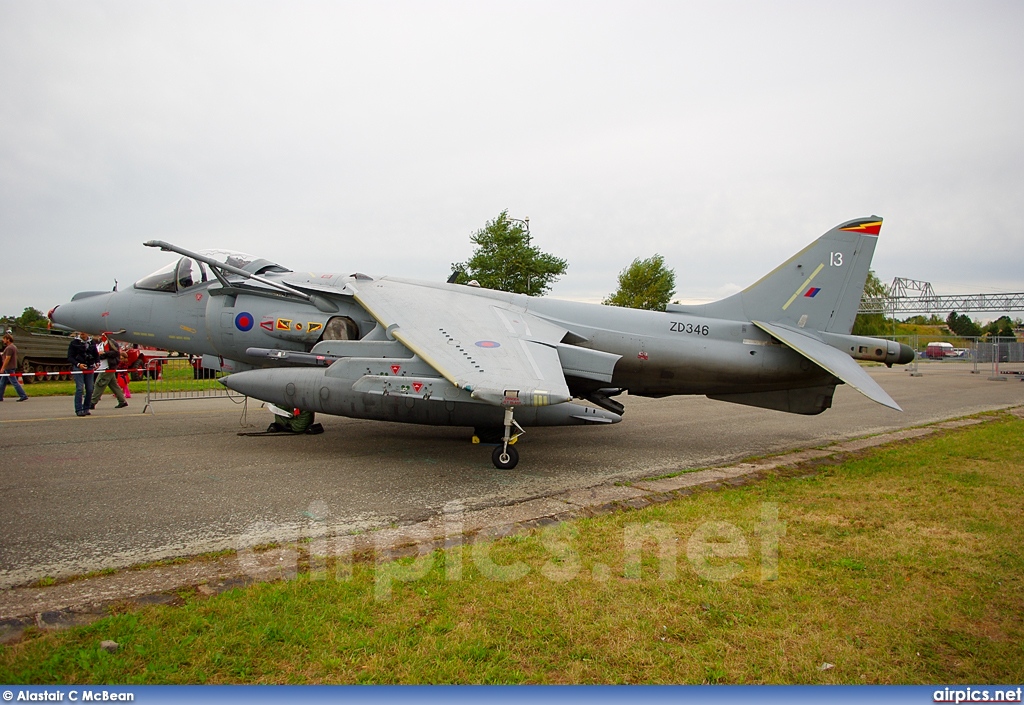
{"x": 505, "y": 458}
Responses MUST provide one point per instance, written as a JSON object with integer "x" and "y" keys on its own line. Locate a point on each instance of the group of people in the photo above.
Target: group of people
{"x": 94, "y": 363}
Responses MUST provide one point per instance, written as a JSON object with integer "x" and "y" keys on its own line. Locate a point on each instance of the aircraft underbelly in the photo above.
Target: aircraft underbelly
{"x": 414, "y": 399}
{"x": 711, "y": 366}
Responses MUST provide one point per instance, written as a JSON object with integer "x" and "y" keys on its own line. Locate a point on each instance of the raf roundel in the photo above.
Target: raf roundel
{"x": 487, "y": 344}
{"x": 244, "y": 321}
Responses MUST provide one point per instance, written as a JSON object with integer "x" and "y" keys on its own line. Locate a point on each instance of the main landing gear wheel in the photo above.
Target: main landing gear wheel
{"x": 505, "y": 458}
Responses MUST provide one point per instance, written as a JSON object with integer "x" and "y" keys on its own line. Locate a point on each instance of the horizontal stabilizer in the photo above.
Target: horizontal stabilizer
{"x": 831, "y": 360}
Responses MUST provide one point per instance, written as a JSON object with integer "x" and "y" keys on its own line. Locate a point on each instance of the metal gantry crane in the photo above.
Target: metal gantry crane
{"x": 909, "y": 296}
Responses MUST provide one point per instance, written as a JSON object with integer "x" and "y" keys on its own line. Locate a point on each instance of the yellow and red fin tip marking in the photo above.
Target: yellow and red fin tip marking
{"x": 871, "y": 226}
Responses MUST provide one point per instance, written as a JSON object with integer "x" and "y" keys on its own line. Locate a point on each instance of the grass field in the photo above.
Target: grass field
{"x": 904, "y": 565}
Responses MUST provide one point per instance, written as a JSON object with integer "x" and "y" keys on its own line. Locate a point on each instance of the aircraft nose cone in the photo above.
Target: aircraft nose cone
{"x": 258, "y": 384}
{"x": 88, "y": 311}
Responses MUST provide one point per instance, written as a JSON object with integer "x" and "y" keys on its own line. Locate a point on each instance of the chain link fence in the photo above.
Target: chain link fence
{"x": 998, "y": 358}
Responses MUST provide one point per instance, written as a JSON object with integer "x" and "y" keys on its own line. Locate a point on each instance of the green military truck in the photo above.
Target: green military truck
{"x": 42, "y": 353}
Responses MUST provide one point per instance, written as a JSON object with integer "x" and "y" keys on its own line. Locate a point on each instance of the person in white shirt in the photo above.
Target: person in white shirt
{"x": 109, "y": 354}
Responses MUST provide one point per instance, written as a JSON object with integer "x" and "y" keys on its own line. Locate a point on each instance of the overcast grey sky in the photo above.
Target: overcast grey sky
{"x": 377, "y": 136}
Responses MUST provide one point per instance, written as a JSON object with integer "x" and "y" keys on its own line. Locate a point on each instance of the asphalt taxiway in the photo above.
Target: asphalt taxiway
{"x": 120, "y": 487}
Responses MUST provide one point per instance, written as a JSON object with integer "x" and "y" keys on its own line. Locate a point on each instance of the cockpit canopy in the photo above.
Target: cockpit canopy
{"x": 186, "y": 272}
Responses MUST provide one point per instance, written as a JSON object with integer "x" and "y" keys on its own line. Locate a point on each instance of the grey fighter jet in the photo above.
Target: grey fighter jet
{"x": 454, "y": 355}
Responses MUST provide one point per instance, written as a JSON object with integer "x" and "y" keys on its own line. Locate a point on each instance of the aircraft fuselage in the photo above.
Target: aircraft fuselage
{"x": 661, "y": 353}
{"x": 447, "y": 354}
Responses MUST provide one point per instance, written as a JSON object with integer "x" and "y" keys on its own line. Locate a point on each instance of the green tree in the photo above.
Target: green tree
{"x": 1002, "y": 327}
{"x": 872, "y": 324}
{"x": 31, "y": 317}
{"x": 960, "y": 324}
{"x": 646, "y": 283}
{"x": 932, "y": 320}
{"x": 505, "y": 259}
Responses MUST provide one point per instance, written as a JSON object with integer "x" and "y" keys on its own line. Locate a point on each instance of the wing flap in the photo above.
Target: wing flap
{"x": 831, "y": 360}
{"x": 586, "y": 363}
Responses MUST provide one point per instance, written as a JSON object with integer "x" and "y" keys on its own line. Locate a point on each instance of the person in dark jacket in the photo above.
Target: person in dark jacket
{"x": 83, "y": 358}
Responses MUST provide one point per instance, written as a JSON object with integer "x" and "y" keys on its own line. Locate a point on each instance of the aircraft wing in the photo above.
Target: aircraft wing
{"x": 831, "y": 360}
{"x": 491, "y": 348}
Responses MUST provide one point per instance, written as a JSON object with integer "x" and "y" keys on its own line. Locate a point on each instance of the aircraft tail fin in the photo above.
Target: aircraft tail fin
{"x": 818, "y": 288}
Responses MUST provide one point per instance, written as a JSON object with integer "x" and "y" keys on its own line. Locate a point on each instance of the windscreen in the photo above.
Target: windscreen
{"x": 186, "y": 272}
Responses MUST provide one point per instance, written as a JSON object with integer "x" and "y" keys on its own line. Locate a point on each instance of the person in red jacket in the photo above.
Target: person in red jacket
{"x": 122, "y": 373}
